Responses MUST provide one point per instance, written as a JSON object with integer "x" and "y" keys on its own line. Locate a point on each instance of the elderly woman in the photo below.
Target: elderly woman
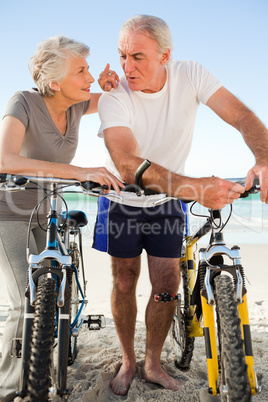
{"x": 38, "y": 137}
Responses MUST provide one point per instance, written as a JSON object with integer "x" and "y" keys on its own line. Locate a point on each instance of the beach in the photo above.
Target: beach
{"x": 99, "y": 351}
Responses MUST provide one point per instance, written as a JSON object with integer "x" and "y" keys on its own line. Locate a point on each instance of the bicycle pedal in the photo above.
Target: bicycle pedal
{"x": 95, "y": 322}
{"x": 15, "y": 348}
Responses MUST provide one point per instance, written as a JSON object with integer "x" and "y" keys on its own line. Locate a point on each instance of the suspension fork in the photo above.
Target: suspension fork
{"x": 210, "y": 338}
{"x": 246, "y": 335}
{"x": 211, "y": 344}
{"x": 63, "y": 341}
{"x": 26, "y": 346}
{"x": 208, "y": 302}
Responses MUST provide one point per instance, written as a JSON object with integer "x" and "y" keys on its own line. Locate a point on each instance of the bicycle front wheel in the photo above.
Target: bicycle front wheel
{"x": 41, "y": 357}
{"x": 234, "y": 384}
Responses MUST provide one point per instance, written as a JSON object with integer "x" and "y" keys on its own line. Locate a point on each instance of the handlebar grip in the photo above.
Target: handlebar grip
{"x": 91, "y": 185}
{"x": 256, "y": 182}
{"x": 253, "y": 190}
{"x": 19, "y": 180}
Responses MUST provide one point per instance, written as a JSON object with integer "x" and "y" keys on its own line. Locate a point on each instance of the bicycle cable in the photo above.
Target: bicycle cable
{"x": 32, "y": 214}
{"x": 195, "y": 214}
{"x": 48, "y": 193}
{"x": 227, "y": 220}
{"x": 48, "y": 198}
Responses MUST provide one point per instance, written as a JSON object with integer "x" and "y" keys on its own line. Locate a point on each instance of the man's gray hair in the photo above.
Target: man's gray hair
{"x": 154, "y": 26}
{"x": 51, "y": 61}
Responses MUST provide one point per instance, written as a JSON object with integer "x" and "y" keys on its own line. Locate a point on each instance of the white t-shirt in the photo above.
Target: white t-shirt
{"x": 162, "y": 122}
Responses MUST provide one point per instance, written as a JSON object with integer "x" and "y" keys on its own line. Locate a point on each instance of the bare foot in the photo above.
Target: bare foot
{"x": 121, "y": 382}
{"x": 159, "y": 376}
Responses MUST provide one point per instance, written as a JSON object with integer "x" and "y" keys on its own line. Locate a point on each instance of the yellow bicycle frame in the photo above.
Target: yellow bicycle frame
{"x": 195, "y": 330}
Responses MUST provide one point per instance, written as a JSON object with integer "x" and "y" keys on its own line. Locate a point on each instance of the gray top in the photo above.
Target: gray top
{"x": 42, "y": 141}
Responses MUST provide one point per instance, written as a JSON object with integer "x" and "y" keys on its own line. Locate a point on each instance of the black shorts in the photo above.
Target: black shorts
{"x": 124, "y": 231}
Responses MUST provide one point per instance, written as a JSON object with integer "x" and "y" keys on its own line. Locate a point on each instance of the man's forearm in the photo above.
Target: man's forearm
{"x": 162, "y": 180}
{"x": 255, "y": 135}
{"x": 125, "y": 153}
{"x": 211, "y": 192}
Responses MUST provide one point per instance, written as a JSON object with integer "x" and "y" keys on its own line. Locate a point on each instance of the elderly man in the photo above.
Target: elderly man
{"x": 151, "y": 114}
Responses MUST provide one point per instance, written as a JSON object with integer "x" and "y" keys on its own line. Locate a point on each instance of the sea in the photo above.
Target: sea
{"x": 247, "y": 220}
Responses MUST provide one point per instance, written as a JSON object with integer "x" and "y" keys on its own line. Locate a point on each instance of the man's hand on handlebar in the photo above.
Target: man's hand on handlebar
{"x": 260, "y": 171}
{"x": 215, "y": 193}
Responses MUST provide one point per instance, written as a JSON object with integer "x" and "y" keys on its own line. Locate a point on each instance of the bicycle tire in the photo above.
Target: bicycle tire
{"x": 39, "y": 380}
{"x": 233, "y": 381}
{"x": 183, "y": 345}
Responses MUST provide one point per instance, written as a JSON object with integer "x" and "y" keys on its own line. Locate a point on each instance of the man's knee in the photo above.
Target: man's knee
{"x": 125, "y": 274}
{"x": 164, "y": 274}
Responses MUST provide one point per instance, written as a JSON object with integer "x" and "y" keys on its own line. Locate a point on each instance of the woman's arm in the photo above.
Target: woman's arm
{"x": 12, "y": 132}
{"x": 93, "y": 106}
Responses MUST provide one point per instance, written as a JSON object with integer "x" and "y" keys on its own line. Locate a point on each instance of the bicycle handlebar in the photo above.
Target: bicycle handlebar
{"x": 14, "y": 182}
{"x": 18, "y": 181}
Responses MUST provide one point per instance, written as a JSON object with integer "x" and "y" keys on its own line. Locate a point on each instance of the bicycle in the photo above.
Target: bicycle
{"x": 212, "y": 303}
{"x": 54, "y": 297}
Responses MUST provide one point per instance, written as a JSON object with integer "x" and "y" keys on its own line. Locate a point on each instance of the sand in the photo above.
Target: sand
{"x": 99, "y": 351}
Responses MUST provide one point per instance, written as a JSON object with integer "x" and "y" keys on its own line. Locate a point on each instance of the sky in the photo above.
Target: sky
{"x": 229, "y": 37}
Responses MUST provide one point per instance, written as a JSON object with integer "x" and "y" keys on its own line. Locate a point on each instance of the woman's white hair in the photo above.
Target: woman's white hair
{"x": 155, "y": 27}
{"x": 51, "y": 61}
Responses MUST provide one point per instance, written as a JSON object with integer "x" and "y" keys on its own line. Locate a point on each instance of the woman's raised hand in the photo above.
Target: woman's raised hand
{"x": 108, "y": 79}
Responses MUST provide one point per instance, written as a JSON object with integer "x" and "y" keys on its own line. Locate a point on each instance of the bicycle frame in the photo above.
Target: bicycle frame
{"x": 56, "y": 261}
{"x": 216, "y": 247}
